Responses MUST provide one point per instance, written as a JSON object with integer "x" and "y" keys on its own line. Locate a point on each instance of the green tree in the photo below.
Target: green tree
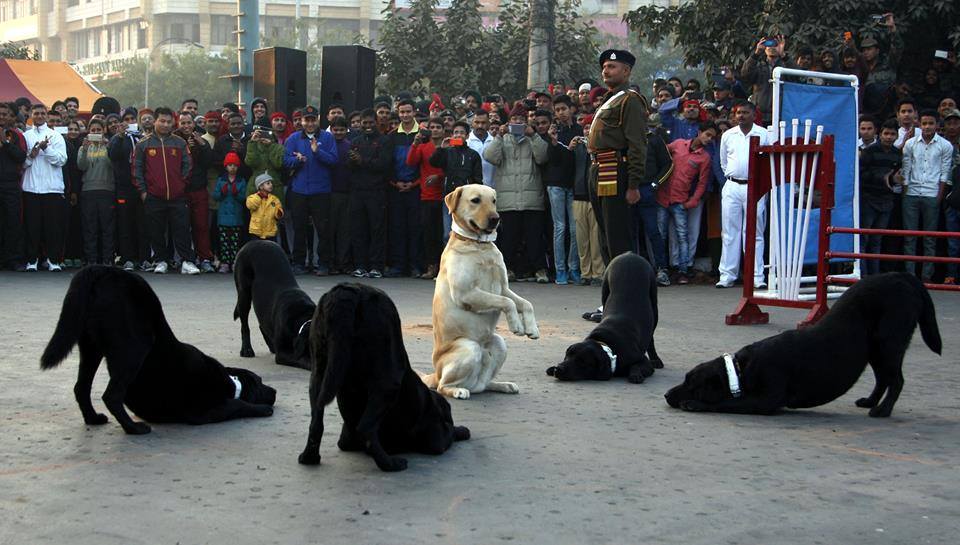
{"x": 720, "y": 32}
{"x": 575, "y": 52}
{"x": 463, "y": 52}
{"x": 409, "y": 46}
{"x": 18, "y": 50}
{"x": 194, "y": 74}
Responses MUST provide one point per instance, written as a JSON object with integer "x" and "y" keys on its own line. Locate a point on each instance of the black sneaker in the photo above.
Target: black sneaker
{"x": 299, "y": 269}
{"x": 374, "y": 273}
{"x": 359, "y": 273}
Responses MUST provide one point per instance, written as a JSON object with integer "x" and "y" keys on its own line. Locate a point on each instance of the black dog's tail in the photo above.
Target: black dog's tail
{"x": 339, "y": 324}
{"x": 928, "y": 321}
{"x": 67, "y": 333}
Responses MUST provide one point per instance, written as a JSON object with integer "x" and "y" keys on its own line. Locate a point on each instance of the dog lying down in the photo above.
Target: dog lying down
{"x": 872, "y": 323}
{"x": 115, "y": 314}
{"x": 264, "y": 279}
{"x": 360, "y": 359}
{"x": 621, "y": 344}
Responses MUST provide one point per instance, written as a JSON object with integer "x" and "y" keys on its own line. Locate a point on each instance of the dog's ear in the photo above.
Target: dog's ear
{"x": 453, "y": 199}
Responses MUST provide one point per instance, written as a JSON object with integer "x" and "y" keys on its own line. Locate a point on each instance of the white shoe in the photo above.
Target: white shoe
{"x": 54, "y": 267}
{"x": 32, "y": 266}
{"x": 761, "y": 285}
{"x": 161, "y": 268}
{"x": 128, "y": 266}
{"x": 189, "y": 268}
{"x": 722, "y": 284}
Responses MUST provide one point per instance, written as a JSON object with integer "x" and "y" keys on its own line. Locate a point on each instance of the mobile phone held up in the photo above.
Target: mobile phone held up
{"x": 456, "y": 141}
{"x": 770, "y": 42}
{"x": 516, "y": 129}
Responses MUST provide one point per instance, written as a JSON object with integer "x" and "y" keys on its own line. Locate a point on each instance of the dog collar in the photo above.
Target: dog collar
{"x": 472, "y": 236}
{"x": 305, "y": 324}
{"x": 733, "y": 379}
{"x": 610, "y": 354}
{"x": 237, "y": 386}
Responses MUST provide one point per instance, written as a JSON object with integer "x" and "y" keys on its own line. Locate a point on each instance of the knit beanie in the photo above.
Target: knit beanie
{"x": 262, "y": 179}
{"x": 231, "y": 159}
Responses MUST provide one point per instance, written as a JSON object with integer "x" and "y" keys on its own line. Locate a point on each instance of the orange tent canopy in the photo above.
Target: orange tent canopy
{"x": 48, "y": 82}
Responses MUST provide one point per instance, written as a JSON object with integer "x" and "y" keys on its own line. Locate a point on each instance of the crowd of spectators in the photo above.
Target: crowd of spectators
{"x": 361, "y": 193}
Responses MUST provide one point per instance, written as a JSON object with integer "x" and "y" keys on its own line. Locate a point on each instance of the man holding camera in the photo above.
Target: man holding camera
{"x": 758, "y": 71}
{"x": 618, "y": 147}
{"x": 196, "y": 192}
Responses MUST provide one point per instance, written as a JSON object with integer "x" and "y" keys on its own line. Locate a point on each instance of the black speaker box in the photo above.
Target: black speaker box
{"x": 280, "y": 76}
{"x": 347, "y": 74}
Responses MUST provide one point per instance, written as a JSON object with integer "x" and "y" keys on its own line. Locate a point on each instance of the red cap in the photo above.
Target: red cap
{"x": 231, "y": 159}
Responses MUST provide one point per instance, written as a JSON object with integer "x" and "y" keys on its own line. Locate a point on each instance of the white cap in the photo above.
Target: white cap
{"x": 584, "y": 87}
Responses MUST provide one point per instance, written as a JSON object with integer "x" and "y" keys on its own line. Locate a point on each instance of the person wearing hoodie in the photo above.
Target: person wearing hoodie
{"x": 161, "y": 172}
{"x": 259, "y": 114}
{"x": 517, "y": 153}
{"x": 99, "y": 192}
{"x": 310, "y": 153}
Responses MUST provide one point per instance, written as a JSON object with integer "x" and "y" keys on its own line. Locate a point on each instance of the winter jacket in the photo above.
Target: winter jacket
{"x": 758, "y": 71}
{"x": 876, "y": 162}
{"x": 461, "y": 166}
{"x": 374, "y": 167}
{"x": 400, "y": 143}
{"x": 264, "y": 214}
{"x": 162, "y": 166}
{"x": 122, "y": 151}
{"x": 43, "y": 174}
{"x": 12, "y": 156}
{"x": 200, "y": 156}
{"x": 97, "y": 168}
{"x": 266, "y": 158}
{"x": 313, "y": 176}
{"x": 659, "y": 164}
{"x": 340, "y": 173}
{"x": 230, "y": 195}
{"x": 518, "y": 182}
{"x": 559, "y": 170}
{"x": 581, "y": 173}
{"x": 224, "y": 146}
{"x": 419, "y": 155}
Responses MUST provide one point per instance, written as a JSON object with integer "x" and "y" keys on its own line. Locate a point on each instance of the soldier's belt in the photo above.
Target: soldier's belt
{"x": 608, "y": 165}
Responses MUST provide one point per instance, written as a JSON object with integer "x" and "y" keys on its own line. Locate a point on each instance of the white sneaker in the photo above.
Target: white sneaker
{"x": 128, "y": 266}
{"x": 722, "y": 284}
{"x": 54, "y": 267}
{"x": 189, "y": 268}
{"x": 32, "y": 266}
{"x": 160, "y": 268}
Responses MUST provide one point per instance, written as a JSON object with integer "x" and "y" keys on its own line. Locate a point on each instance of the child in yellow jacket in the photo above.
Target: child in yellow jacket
{"x": 265, "y": 209}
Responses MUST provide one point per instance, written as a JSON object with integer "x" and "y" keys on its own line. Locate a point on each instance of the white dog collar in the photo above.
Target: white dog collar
{"x": 305, "y": 324}
{"x": 237, "y": 386}
{"x": 479, "y": 237}
{"x": 611, "y": 355}
{"x": 733, "y": 380}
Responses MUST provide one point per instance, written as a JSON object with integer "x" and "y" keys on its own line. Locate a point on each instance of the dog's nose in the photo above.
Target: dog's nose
{"x": 493, "y": 221}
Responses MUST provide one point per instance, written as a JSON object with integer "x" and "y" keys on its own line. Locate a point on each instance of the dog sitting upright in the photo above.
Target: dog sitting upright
{"x": 470, "y": 294}
{"x": 115, "y": 314}
{"x": 622, "y": 344}
{"x": 872, "y": 323}
{"x": 360, "y": 359}
{"x": 264, "y": 278}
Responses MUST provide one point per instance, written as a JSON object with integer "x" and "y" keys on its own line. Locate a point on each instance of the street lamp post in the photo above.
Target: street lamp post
{"x": 146, "y": 79}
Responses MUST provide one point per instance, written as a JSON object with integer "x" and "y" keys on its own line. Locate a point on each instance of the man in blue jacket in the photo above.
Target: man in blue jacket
{"x": 403, "y": 197}
{"x": 311, "y": 153}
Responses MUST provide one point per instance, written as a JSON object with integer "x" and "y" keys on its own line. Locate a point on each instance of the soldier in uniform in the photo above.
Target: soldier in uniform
{"x": 618, "y": 145}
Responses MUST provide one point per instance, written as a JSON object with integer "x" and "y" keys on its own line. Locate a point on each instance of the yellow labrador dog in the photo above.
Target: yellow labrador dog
{"x": 470, "y": 294}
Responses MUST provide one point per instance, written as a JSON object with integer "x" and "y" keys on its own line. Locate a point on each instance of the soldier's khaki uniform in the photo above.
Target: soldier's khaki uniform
{"x": 619, "y": 125}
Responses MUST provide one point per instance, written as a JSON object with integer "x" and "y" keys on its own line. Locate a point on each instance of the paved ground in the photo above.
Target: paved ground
{"x": 558, "y": 463}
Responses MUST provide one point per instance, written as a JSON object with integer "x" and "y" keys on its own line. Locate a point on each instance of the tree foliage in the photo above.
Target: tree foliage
{"x": 722, "y": 32}
{"x": 173, "y": 78}
{"x": 18, "y": 50}
{"x": 421, "y": 50}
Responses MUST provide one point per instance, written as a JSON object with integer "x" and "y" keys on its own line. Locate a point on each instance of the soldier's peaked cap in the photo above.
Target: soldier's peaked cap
{"x": 619, "y": 55}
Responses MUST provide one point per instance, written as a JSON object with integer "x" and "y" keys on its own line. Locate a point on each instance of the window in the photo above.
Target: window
{"x": 221, "y": 29}
{"x": 176, "y": 30}
{"x": 141, "y": 38}
{"x": 80, "y": 44}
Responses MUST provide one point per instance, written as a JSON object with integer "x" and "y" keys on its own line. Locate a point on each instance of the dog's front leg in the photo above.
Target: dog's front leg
{"x": 743, "y": 405}
{"x": 232, "y": 409}
{"x": 525, "y": 309}
{"x": 479, "y": 301}
{"x": 311, "y": 452}
{"x": 369, "y": 429}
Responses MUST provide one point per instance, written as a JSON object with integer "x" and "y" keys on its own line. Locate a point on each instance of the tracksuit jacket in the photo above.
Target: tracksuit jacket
{"x": 162, "y": 166}
{"x": 313, "y": 176}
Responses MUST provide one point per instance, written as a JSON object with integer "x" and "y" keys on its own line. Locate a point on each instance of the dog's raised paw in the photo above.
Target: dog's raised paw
{"x": 309, "y": 458}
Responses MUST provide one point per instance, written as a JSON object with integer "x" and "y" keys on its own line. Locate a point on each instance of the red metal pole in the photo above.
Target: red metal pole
{"x": 893, "y": 257}
{"x": 929, "y": 286}
{"x": 894, "y": 232}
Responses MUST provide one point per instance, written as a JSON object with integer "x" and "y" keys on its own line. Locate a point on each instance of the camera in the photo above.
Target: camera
{"x": 261, "y": 128}
{"x": 95, "y": 137}
{"x": 517, "y": 129}
{"x": 530, "y": 104}
{"x": 133, "y": 128}
{"x": 877, "y": 18}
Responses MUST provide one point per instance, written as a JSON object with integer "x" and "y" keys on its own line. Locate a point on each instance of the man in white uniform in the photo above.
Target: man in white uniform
{"x": 735, "y": 160}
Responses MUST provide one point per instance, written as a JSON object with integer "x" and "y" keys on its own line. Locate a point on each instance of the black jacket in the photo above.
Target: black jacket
{"x": 461, "y": 166}
{"x": 224, "y": 146}
{"x": 659, "y": 163}
{"x": 875, "y": 164}
{"x": 559, "y": 170}
{"x": 372, "y": 171}
{"x": 12, "y": 157}
{"x": 200, "y": 154}
{"x": 120, "y": 151}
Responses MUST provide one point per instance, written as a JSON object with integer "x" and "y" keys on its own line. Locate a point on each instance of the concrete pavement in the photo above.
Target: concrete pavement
{"x": 592, "y": 463}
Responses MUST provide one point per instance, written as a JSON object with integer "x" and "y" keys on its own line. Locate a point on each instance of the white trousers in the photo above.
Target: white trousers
{"x": 693, "y": 235}
{"x": 733, "y": 202}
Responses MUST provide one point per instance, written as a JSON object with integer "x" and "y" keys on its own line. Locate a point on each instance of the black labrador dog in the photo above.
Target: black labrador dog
{"x": 115, "y": 314}
{"x": 872, "y": 323}
{"x": 360, "y": 359}
{"x": 622, "y": 345}
{"x": 264, "y": 278}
